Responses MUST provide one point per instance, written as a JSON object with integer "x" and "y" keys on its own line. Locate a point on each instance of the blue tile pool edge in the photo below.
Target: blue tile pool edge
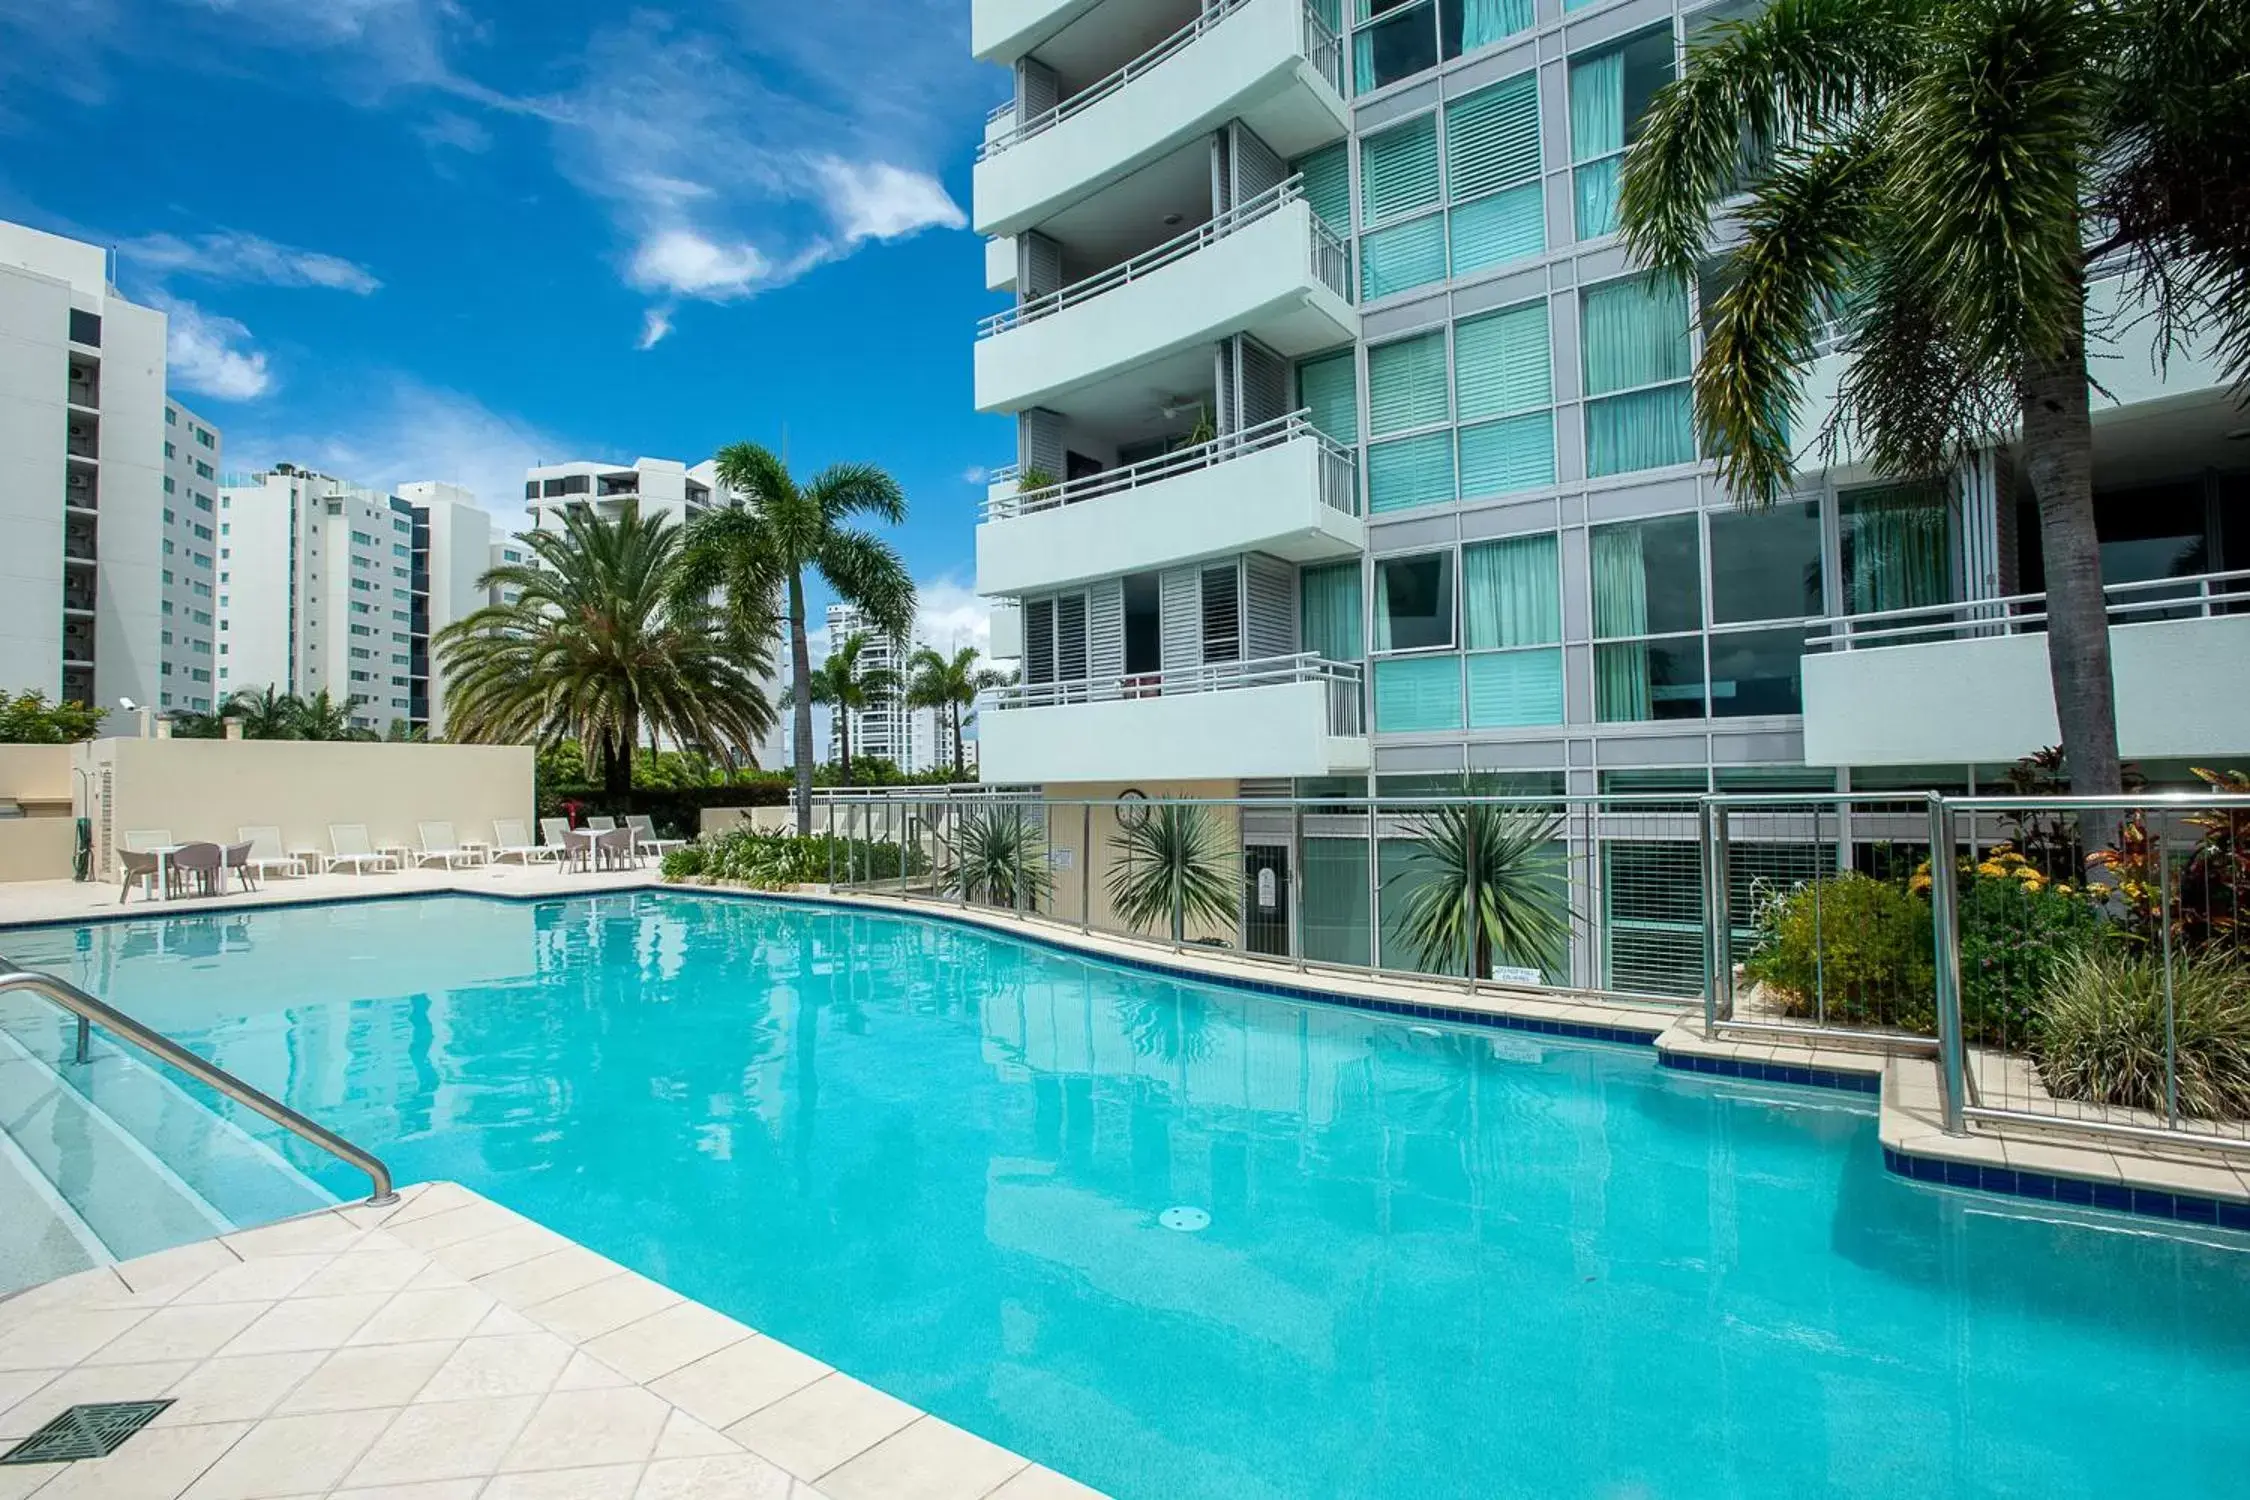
{"x": 2078, "y": 1192}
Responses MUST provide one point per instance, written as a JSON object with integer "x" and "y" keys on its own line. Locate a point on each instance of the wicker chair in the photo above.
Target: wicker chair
{"x": 205, "y": 864}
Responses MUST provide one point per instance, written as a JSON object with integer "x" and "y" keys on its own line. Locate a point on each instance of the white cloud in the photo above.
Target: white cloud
{"x": 230, "y": 255}
{"x": 683, "y": 263}
{"x": 948, "y": 615}
{"x": 454, "y": 132}
{"x": 654, "y": 326}
{"x": 976, "y": 474}
{"x": 211, "y": 355}
{"x": 877, "y": 201}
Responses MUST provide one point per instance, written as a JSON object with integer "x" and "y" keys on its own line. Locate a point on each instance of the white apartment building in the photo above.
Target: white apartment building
{"x": 885, "y": 727}
{"x": 1362, "y": 458}
{"x": 83, "y": 575}
{"x": 327, "y": 586}
{"x": 188, "y": 635}
{"x": 660, "y": 486}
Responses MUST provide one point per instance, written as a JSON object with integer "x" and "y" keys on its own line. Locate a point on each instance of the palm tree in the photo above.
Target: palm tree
{"x": 1175, "y": 864}
{"x": 758, "y": 553}
{"x": 997, "y": 851}
{"x": 1490, "y": 871}
{"x": 599, "y": 645}
{"x": 321, "y": 717}
{"x": 947, "y": 685}
{"x": 1948, "y": 172}
{"x": 848, "y": 688}
{"x": 266, "y": 714}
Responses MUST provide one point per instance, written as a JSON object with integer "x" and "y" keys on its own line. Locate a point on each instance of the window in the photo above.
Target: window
{"x": 361, "y": 538}
{"x": 1609, "y": 91}
{"x": 168, "y": 487}
{"x": 85, "y": 328}
{"x": 1396, "y": 39}
{"x": 1897, "y": 548}
{"x": 1329, "y": 388}
{"x": 169, "y": 517}
{"x": 1633, "y": 339}
{"x": 171, "y": 416}
{"x": 204, "y": 437}
{"x": 203, "y": 470}
{"x": 1765, "y": 565}
{"x": 1054, "y": 644}
{"x": 1648, "y": 617}
{"x": 1410, "y": 455}
{"x": 1502, "y": 372}
{"x": 1511, "y": 596}
{"x": 1328, "y": 611}
{"x": 203, "y": 502}
{"x": 1402, "y": 240}
{"x": 1328, "y": 185}
{"x": 169, "y": 450}
{"x": 1414, "y": 612}
{"x": 1492, "y": 175}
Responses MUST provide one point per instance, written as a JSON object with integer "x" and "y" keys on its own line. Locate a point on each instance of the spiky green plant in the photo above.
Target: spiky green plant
{"x": 1174, "y": 864}
{"x": 994, "y": 851}
{"x": 1488, "y": 870}
{"x": 2100, "y": 1034}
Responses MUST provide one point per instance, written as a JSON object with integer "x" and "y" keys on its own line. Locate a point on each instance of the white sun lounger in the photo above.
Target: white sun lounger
{"x": 348, "y": 844}
{"x": 266, "y": 851}
{"x": 439, "y": 842}
{"x": 511, "y": 838}
{"x": 645, "y": 839}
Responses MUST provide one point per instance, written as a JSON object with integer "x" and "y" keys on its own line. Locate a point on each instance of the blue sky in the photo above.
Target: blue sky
{"x": 441, "y": 239}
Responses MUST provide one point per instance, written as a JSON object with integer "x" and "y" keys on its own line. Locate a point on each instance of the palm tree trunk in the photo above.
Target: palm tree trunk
{"x": 960, "y": 765}
{"x": 2058, "y": 440}
{"x": 843, "y": 744}
{"x": 800, "y": 692}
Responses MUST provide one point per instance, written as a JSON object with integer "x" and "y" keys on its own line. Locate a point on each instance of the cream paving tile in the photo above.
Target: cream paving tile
{"x": 498, "y": 1250}
{"x": 16, "y": 1483}
{"x": 822, "y": 1426}
{"x": 2211, "y": 1179}
{"x": 68, "y": 1388}
{"x": 180, "y": 1333}
{"x": 433, "y": 1489}
{"x": 15, "y": 1385}
{"x": 290, "y": 1456}
{"x": 685, "y": 1437}
{"x": 2066, "y": 1161}
{"x": 66, "y": 1336}
{"x": 503, "y": 1320}
{"x": 467, "y": 1222}
{"x": 372, "y": 1375}
{"x": 427, "y": 1199}
{"x": 579, "y": 1429}
{"x": 306, "y": 1323}
{"x": 586, "y": 1373}
{"x": 926, "y": 1460}
{"x": 594, "y": 1310}
{"x": 432, "y": 1276}
{"x": 664, "y": 1341}
{"x": 237, "y": 1388}
{"x": 384, "y": 1271}
{"x": 549, "y": 1276}
{"x": 175, "y": 1270}
{"x": 261, "y": 1280}
{"x": 99, "y": 1287}
{"x": 309, "y": 1235}
{"x": 412, "y": 1317}
{"x": 1036, "y": 1483}
{"x": 742, "y": 1477}
{"x": 723, "y": 1388}
{"x": 158, "y": 1464}
{"x": 608, "y": 1482}
{"x": 444, "y": 1440}
{"x": 523, "y": 1364}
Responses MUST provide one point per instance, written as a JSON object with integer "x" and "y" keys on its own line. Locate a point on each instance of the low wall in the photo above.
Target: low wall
{"x": 207, "y": 789}
{"x": 781, "y": 819}
{"x": 35, "y": 842}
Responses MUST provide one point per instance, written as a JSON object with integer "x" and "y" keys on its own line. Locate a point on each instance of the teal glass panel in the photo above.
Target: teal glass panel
{"x": 1508, "y": 689}
{"x": 1417, "y": 694}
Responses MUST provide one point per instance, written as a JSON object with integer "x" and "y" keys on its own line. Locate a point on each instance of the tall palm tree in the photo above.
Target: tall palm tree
{"x": 321, "y": 717}
{"x": 600, "y": 646}
{"x": 266, "y": 713}
{"x": 758, "y": 554}
{"x": 847, "y": 688}
{"x": 948, "y": 685}
{"x": 1948, "y": 171}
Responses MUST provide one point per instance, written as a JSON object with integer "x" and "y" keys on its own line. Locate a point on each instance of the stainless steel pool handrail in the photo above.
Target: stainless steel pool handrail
{"x": 90, "y": 1011}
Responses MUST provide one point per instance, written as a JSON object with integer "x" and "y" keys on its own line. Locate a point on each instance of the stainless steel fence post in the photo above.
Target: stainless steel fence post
{"x": 1022, "y": 837}
{"x": 1473, "y": 891}
{"x": 960, "y": 875}
{"x": 831, "y": 846}
{"x": 1374, "y": 881}
{"x": 1085, "y": 866}
{"x": 1297, "y": 883}
{"x": 2171, "y": 1016}
{"x": 1946, "y": 925}
{"x": 1705, "y": 841}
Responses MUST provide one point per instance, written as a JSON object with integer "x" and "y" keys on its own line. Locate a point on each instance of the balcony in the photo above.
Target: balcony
{"x": 1285, "y": 716}
{"x": 1968, "y": 683}
{"x": 1003, "y": 30}
{"x": 1270, "y": 63}
{"x": 1268, "y": 268}
{"x": 1283, "y": 488}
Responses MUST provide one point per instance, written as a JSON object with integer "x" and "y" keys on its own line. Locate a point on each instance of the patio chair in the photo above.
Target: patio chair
{"x": 439, "y": 842}
{"x": 556, "y": 831}
{"x": 348, "y": 844}
{"x": 645, "y": 839}
{"x": 142, "y": 840}
{"x": 142, "y": 869}
{"x": 613, "y": 846}
{"x": 238, "y": 858}
{"x": 509, "y": 837}
{"x": 204, "y": 865}
{"x": 266, "y": 852}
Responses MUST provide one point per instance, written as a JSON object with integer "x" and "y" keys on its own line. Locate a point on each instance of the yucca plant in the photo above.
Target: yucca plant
{"x": 1175, "y": 865}
{"x": 1490, "y": 872}
{"x": 2101, "y": 1033}
{"x": 995, "y": 850}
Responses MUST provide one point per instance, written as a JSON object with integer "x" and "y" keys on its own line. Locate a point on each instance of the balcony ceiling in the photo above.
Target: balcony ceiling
{"x": 1108, "y": 37}
{"x": 1127, "y": 217}
{"x": 1129, "y": 405}
{"x": 2152, "y": 441}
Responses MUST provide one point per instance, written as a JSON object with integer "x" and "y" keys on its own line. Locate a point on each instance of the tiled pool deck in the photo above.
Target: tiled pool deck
{"x": 444, "y": 1348}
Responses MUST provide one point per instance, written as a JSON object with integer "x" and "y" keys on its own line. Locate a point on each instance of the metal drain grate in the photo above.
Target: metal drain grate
{"x": 92, "y": 1431}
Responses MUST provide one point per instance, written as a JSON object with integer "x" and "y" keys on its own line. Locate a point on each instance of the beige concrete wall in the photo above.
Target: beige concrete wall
{"x": 36, "y": 848}
{"x": 206, "y": 789}
{"x": 37, "y": 779}
{"x": 35, "y": 773}
{"x": 1074, "y": 874}
{"x": 771, "y": 819}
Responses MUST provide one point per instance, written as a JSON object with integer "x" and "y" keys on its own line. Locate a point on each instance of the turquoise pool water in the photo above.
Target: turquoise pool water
{"x": 1439, "y": 1262}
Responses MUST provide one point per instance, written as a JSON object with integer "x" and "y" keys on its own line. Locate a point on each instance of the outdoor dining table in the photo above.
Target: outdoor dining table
{"x": 586, "y": 843}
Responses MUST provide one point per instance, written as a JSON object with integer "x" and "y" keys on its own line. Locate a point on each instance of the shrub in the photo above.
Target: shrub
{"x": 2100, "y": 1033}
{"x": 780, "y": 861}
{"x": 29, "y": 719}
{"x": 686, "y": 862}
{"x": 1849, "y": 948}
{"x": 2016, "y": 935}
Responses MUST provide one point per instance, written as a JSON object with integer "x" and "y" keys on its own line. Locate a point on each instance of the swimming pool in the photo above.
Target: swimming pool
{"x": 1437, "y": 1261}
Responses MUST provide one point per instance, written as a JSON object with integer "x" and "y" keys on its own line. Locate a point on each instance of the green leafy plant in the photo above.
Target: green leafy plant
{"x": 2016, "y": 936}
{"x": 994, "y": 852}
{"x": 1174, "y": 864}
{"x": 29, "y": 719}
{"x": 1491, "y": 871}
{"x": 774, "y": 861}
{"x": 1032, "y": 479}
{"x": 949, "y": 685}
{"x": 1851, "y": 950}
{"x": 841, "y": 683}
{"x": 2102, "y": 1030}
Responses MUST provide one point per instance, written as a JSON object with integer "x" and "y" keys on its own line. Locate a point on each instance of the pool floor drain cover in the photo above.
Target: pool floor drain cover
{"x": 93, "y": 1431}
{"x": 1186, "y": 1220}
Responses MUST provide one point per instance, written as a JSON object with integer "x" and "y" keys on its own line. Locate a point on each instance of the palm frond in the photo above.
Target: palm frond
{"x": 867, "y": 571}
{"x": 1490, "y": 877}
{"x": 1173, "y": 864}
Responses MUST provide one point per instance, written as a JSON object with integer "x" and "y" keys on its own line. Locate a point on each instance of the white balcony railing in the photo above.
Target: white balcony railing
{"x": 1343, "y": 678}
{"x": 2199, "y": 596}
{"x": 1095, "y": 93}
{"x": 1331, "y": 259}
{"x": 1339, "y": 470}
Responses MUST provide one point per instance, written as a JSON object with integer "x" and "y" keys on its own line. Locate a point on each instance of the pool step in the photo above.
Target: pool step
{"x": 245, "y": 1179}
{"x": 41, "y": 1236}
